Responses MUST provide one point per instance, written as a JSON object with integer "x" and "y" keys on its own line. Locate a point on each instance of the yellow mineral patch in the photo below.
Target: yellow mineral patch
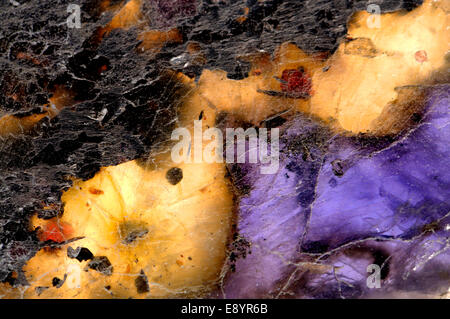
{"x": 362, "y": 76}
{"x": 154, "y": 40}
{"x": 128, "y": 16}
{"x": 175, "y": 234}
{"x": 11, "y": 125}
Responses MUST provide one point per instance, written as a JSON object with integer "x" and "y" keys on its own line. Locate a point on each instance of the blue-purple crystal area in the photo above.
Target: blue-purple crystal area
{"x": 339, "y": 204}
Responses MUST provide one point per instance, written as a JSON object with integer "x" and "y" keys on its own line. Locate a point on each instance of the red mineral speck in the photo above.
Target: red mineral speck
{"x": 95, "y": 191}
{"x": 296, "y": 81}
{"x": 421, "y": 56}
{"x": 56, "y": 231}
{"x": 103, "y": 68}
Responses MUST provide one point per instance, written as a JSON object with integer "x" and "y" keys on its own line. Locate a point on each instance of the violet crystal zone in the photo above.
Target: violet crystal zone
{"x": 339, "y": 204}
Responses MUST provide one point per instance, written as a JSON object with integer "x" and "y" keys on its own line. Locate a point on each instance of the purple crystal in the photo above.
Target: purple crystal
{"x": 339, "y": 204}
